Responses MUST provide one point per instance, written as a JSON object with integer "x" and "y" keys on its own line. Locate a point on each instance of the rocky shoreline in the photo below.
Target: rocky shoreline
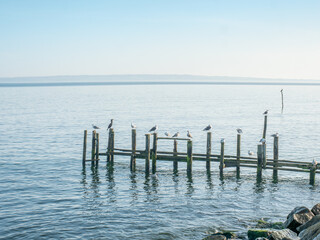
{"x": 301, "y": 224}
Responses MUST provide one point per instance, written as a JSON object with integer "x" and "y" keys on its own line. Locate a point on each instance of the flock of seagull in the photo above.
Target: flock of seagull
{"x": 177, "y": 134}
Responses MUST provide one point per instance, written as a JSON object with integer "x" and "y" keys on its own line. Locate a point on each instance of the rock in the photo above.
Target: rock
{"x": 317, "y": 237}
{"x": 284, "y": 234}
{"x": 258, "y": 233}
{"x": 261, "y": 238}
{"x": 274, "y": 225}
{"x": 298, "y": 217}
{"x": 316, "y": 209}
{"x": 221, "y": 236}
{"x": 313, "y": 221}
{"x": 311, "y": 232}
{"x": 215, "y": 237}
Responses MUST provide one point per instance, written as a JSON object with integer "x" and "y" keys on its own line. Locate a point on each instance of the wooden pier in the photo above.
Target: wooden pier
{"x": 151, "y": 155}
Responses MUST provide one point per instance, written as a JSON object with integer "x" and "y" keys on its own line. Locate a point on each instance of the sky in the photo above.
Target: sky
{"x": 265, "y": 38}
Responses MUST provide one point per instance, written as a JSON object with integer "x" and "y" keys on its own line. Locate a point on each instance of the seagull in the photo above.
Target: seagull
{"x": 239, "y": 130}
{"x": 167, "y": 134}
{"x": 189, "y": 134}
{"x": 265, "y": 112}
{"x": 222, "y": 140}
{"x": 133, "y": 126}
{"x": 250, "y": 153}
{"x": 95, "y": 127}
{"x": 176, "y": 134}
{"x": 262, "y": 140}
{"x": 153, "y": 129}
{"x": 281, "y": 90}
{"x": 275, "y": 135}
{"x": 110, "y": 124}
{"x": 314, "y": 162}
{"x": 207, "y": 128}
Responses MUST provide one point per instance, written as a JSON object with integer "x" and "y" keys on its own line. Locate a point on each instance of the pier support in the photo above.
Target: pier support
{"x": 175, "y": 150}
{"x": 133, "y": 148}
{"x": 313, "y": 174}
{"x": 275, "y": 158}
{"x": 97, "y": 149}
{"x": 189, "y": 156}
{"x": 208, "y": 163}
{"x": 238, "y": 154}
{"x": 84, "y": 153}
{"x": 265, "y": 126}
{"x": 259, "y": 162}
{"x": 154, "y": 153}
{"x": 147, "y": 162}
{"x": 93, "y": 147}
{"x": 221, "y": 166}
{"x": 110, "y": 155}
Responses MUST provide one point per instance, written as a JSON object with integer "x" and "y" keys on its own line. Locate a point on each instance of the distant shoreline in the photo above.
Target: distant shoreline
{"x": 124, "y": 83}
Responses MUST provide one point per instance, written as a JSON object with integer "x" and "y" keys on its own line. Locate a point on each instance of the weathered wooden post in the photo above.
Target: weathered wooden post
{"x": 275, "y": 157}
{"x": 260, "y": 161}
{"x": 84, "y": 154}
{"x": 189, "y": 156}
{"x": 264, "y": 161}
{"x": 112, "y": 145}
{"x": 208, "y": 163}
{"x": 109, "y": 147}
{"x": 97, "y": 148}
{"x": 93, "y": 147}
{"x": 221, "y": 166}
{"x": 147, "y": 163}
{"x": 282, "y": 100}
{"x": 265, "y": 126}
{"x": 313, "y": 169}
{"x": 154, "y": 153}
{"x": 175, "y": 150}
{"x": 134, "y": 148}
{"x": 238, "y": 154}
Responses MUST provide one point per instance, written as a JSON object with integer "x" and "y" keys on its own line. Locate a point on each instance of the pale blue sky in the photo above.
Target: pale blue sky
{"x": 271, "y": 38}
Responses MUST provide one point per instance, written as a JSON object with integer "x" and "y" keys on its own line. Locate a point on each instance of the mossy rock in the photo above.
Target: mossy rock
{"x": 225, "y": 233}
{"x": 256, "y": 233}
{"x": 264, "y": 224}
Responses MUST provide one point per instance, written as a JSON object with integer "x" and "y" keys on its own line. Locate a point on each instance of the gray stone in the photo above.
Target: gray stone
{"x": 311, "y": 232}
{"x": 284, "y": 234}
{"x": 316, "y": 209}
{"x": 253, "y": 234}
{"x": 313, "y": 221}
{"x": 317, "y": 237}
{"x": 216, "y": 237}
{"x": 298, "y": 217}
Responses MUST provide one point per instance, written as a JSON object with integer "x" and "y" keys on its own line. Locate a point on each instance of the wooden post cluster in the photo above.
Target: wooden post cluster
{"x": 147, "y": 162}
{"x": 260, "y": 161}
{"x": 175, "y": 150}
{"x": 275, "y": 157}
{"x": 133, "y": 148}
{"x": 208, "y": 163}
{"x": 154, "y": 153}
{"x": 84, "y": 153}
{"x": 189, "y": 156}
{"x": 221, "y": 166}
{"x": 238, "y": 154}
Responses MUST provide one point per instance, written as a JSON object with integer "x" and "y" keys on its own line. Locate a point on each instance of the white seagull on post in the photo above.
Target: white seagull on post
{"x": 95, "y": 127}
{"x": 239, "y": 130}
{"x": 133, "y": 126}
{"x": 177, "y": 134}
{"x": 189, "y": 134}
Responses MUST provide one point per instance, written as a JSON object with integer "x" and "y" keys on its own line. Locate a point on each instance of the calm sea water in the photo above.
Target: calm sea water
{"x": 45, "y": 193}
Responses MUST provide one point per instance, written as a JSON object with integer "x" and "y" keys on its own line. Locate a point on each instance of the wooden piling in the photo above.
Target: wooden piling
{"x": 133, "y": 148}
{"x": 109, "y": 147}
{"x": 208, "y": 163}
{"x": 147, "y": 162}
{"x": 175, "y": 150}
{"x": 260, "y": 161}
{"x": 112, "y": 144}
{"x": 189, "y": 156}
{"x": 154, "y": 153}
{"x": 93, "y": 147}
{"x": 221, "y": 166}
{"x": 282, "y": 100}
{"x": 238, "y": 154}
{"x": 264, "y": 161}
{"x": 265, "y": 126}
{"x": 275, "y": 157}
{"x": 312, "y": 174}
{"x": 97, "y": 148}
{"x": 84, "y": 154}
